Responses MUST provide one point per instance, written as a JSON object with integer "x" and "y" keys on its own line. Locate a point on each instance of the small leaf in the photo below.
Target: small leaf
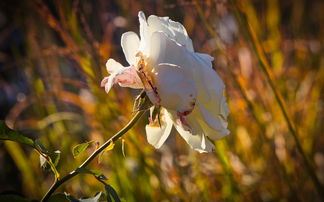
{"x": 9, "y": 134}
{"x": 108, "y": 148}
{"x": 78, "y": 149}
{"x": 111, "y": 192}
{"x": 97, "y": 173}
{"x": 142, "y": 102}
{"x": 56, "y": 155}
{"x": 40, "y": 147}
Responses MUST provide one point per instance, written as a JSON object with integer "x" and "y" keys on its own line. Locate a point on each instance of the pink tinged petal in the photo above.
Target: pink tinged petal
{"x": 130, "y": 44}
{"x": 113, "y": 66}
{"x": 126, "y": 77}
{"x": 175, "y": 87}
{"x": 104, "y": 81}
{"x": 157, "y": 135}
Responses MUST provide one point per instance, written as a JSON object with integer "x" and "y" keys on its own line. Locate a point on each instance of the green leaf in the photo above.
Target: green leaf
{"x": 40, "y": 147}
{"x": 111, "y": 192}
{"x": 56, "y": 156}
{"x": 97, "y": 173}
{"x": 108, "y": 148}
{"x": 9, "y": 134}
{"x": 78, "y": 149}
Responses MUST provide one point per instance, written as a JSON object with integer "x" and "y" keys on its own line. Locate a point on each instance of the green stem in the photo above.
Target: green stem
{"x": 114, "y": 138}
{"x": 257, "y": 48}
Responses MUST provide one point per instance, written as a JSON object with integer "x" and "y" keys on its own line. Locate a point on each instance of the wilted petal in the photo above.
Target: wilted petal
{"x": 125, "y": 77}
{"x": 130, "y": 44}
{"x": 113, "y": 66}
{"x": 157, "y": 134}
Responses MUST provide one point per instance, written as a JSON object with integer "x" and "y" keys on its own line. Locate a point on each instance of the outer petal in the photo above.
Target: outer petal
{"x": 198, "y": 142}
{"x": 165, "y": 50}
{"x": 144, "y": 34}
{"x": 195, "y": 137}
{"x": 214, "y": 127}
{"x": 126, "y": 77}
{"x": 130, "y": 44}
{"x": 175, "y": 86}
{"x": 173, "y": 29}
{"x": 157, "y": 135}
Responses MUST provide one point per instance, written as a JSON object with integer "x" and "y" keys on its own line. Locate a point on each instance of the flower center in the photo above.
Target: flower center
{"x": 147, "y": 80}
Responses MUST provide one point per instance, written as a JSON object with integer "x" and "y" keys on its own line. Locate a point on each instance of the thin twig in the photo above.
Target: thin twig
{"x": 93, "y": 155}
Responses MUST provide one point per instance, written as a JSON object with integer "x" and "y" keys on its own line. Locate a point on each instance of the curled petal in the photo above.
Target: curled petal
{"x": 130, "y": 44}
{"x": 157, "y": 134}
{"x": 214, "y": 127}
{"x": 126, "y": 77}
{"x": 113, "y": 66}
{"x": 173, "y": 29}
{"x": 197, "y": 141}
{"x": 195, "y": 137}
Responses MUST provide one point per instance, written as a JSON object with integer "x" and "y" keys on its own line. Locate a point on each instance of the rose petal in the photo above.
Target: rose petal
{"x": 144, "y": 34}
{"x": 176, "y": 88}
{"x": 130, "y": 44}
{"x": 126, "y": 77}
{"x": 113, "y": 66}
{"x": 197, "y": 141}
{"x": 173, "y": 29}
{"x": 214, "y": 126}
{"x": 157, "y": 135}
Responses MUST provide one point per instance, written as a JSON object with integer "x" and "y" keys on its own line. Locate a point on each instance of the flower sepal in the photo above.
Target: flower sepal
{"x": 142, "y": 102}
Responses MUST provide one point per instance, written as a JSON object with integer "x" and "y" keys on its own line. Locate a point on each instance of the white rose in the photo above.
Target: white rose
{"x": 175, "y": 78}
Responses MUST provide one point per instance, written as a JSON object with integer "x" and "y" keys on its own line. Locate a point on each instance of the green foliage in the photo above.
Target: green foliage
{"x": 97, "y": 173}
{"x": 110, "y": 147}
{"x": 110, "y": 191}
{"x": 9, "y": 134}
{"x": 80, "y": 148}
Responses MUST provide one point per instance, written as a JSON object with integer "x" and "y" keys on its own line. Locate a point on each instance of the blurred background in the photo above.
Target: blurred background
{"x": 52, "y": 59}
